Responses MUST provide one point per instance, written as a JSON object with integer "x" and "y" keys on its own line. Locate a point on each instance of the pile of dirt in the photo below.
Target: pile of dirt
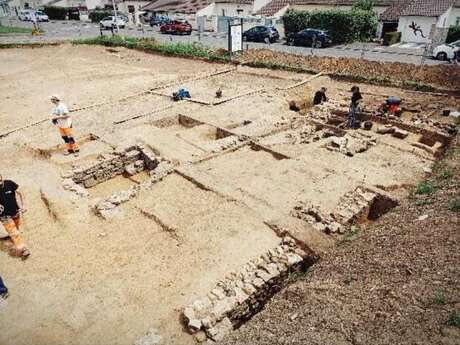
{"x": 443, "y": 76}
{"x": 391, "y": 282}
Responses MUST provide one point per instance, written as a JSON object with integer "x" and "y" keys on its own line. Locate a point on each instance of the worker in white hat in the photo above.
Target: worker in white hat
{"x": 63, "y": 120}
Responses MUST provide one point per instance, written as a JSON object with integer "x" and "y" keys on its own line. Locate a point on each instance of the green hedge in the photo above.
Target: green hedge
{"x": 453, "y": 34}
{"x": 97, "y": 16}
{"x": 391, "y": 38}
{"x": 56, "y": 13}
{"x": 342, "y": 26}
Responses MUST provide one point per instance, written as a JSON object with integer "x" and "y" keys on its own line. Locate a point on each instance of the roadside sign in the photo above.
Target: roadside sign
{"x": 235, "y": 37}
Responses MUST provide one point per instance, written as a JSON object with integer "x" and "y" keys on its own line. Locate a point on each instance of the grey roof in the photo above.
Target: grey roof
{"x": 427, "y": 8}
{"x": 393, "y": 12}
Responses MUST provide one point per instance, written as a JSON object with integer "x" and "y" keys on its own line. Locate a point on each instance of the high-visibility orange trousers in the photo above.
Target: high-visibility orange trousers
{"x": 11, "y": 225}
{"x": 66, "y": 134}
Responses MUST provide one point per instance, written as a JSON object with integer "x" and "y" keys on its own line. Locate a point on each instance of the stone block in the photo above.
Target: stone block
{"x": 91, "y": 182}
{"x": 400, "y": 133}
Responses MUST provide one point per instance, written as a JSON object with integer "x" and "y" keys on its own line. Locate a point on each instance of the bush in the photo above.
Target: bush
{"x": 342, "y": 26}
{"x": 453, "y": 34}
{"x": 391, "y": 38}
{"x": 97, "y": 16}
{"x": 56, "y": 13}
{"x": 426, "y": 187}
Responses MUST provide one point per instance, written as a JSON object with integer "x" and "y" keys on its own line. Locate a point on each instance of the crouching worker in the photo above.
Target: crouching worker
{"x": 320, "y": 96}
{"x": 63, "y": 120}
{"x": 10, "y": 215}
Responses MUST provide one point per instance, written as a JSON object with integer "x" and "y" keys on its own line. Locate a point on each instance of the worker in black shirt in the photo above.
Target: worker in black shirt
{"x": 354, "y": 107}
{"x": 320, "y": 96}
{"x": 10, "y": 215}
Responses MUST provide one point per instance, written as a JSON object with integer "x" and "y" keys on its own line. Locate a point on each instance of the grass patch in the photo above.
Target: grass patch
{"x": 455, "y": 205}
{"x": 454, "y": 319}
{"x": 440, "y": 298}
{"x": 150, "y": 45}
{"x": 426, "y": 187}
{"x": 14, "y": 30}
{"x": 423, "y": 202}
{"x": 351, "y": 235}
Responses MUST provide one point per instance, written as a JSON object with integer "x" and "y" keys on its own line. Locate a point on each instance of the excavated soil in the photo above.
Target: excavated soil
{"x": 441, "y": 76}
{"x": 242, "y": 171}
{"x": 392, "y": 282}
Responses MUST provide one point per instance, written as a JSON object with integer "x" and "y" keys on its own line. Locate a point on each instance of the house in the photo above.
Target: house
{"x": 172, "y": 7}
{"x": 233, "y": 8}
{"x": 276, "y": 8}
{"x": 421, "y": 21}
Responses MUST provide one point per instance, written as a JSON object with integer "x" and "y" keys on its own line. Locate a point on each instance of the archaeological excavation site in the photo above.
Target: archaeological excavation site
{"x": 180, "y": 220}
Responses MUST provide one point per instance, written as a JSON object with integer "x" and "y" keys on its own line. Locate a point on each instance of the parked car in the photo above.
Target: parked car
{"x": 41, "y": 16}
{"x": 261, "y": 34}
{"x": 24, "y": 15}
{"x": 310, "y": 38}
{"x": 176, "y": 27}
{"x": 109, "y": 22}
{"x": 159, "y": 20}
{"x": 445, "y": 52}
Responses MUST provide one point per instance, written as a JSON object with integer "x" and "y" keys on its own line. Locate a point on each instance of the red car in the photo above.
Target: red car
{"x": 176, "y": 27}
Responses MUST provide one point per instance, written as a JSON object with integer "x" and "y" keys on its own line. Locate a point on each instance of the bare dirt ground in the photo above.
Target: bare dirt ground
{"x": 240, "y": 163}
{"x": 393, "y": 282}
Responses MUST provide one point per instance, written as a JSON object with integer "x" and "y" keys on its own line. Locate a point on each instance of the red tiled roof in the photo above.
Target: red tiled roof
{"x": 272, "y": 7}
{"x": 337, "y": 2}
{"x": 241, "y": 2}
{"x": 392, "y": 13}
{"x": 178, "y": 6}
{"x": 428, "y": 8}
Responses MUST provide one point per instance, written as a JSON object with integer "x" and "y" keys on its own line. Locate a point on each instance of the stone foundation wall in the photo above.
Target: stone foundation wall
{"x": 354, "y": 207}
{"x": 242, "y": 294}
{"x": 128, "y": 160}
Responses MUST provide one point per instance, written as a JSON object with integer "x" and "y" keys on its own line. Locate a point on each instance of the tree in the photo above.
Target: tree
{"x": 363, "y": 5}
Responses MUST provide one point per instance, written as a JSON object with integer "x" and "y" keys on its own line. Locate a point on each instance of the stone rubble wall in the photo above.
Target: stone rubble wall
{"x": 129, "y": 160}
{"x": 106, "y": 206}
{"x": 242, "y": 294}
{"x": 354, "y": 207}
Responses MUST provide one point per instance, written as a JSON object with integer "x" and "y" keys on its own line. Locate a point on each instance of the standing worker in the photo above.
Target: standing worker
{"x": 354, "y": 107}
{"x": 320, "y": 96}
{"x": 10, "y": 215}
{"x": 63, "y": 121}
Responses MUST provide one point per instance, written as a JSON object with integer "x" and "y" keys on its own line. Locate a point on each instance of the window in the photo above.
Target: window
{"x": 457, "y": 21}
{"x": 223, "y": 13}
{"x": 131, "y": 9}
{"x": 239, "y": 11}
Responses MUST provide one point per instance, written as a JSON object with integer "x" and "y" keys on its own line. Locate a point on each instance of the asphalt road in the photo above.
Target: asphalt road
{"x": 67, "y": 30}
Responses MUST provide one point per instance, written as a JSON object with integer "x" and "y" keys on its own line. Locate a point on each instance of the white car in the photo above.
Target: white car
{"x": 25, "y": 15}
{"x": 109, "y": 22}
{"x": 41, "y": 16}
{"x": 446, "y": 51}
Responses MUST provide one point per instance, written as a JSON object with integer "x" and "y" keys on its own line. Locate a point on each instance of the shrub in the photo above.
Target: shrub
{"x": 342, "y": 26}
{"x": 454, "y": 319}
{"x": 56, "y": 13}
{"x": 453, "y": 34}
{"x": 97, "y": 16}
{"x": 425, "y": 187}
{"x": 391, "y": 38}
{"x": 455, "y": 205}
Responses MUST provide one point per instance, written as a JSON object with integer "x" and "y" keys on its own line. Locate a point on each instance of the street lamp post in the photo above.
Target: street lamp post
{"x": 115, "y": 15}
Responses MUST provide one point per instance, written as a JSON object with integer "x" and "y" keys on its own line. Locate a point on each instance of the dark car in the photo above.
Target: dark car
{"x": 310, "y": 38}
{"x": 177, "y": 27}
{"x": 159, "y": 20}
{"x": 261, "y": 34}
